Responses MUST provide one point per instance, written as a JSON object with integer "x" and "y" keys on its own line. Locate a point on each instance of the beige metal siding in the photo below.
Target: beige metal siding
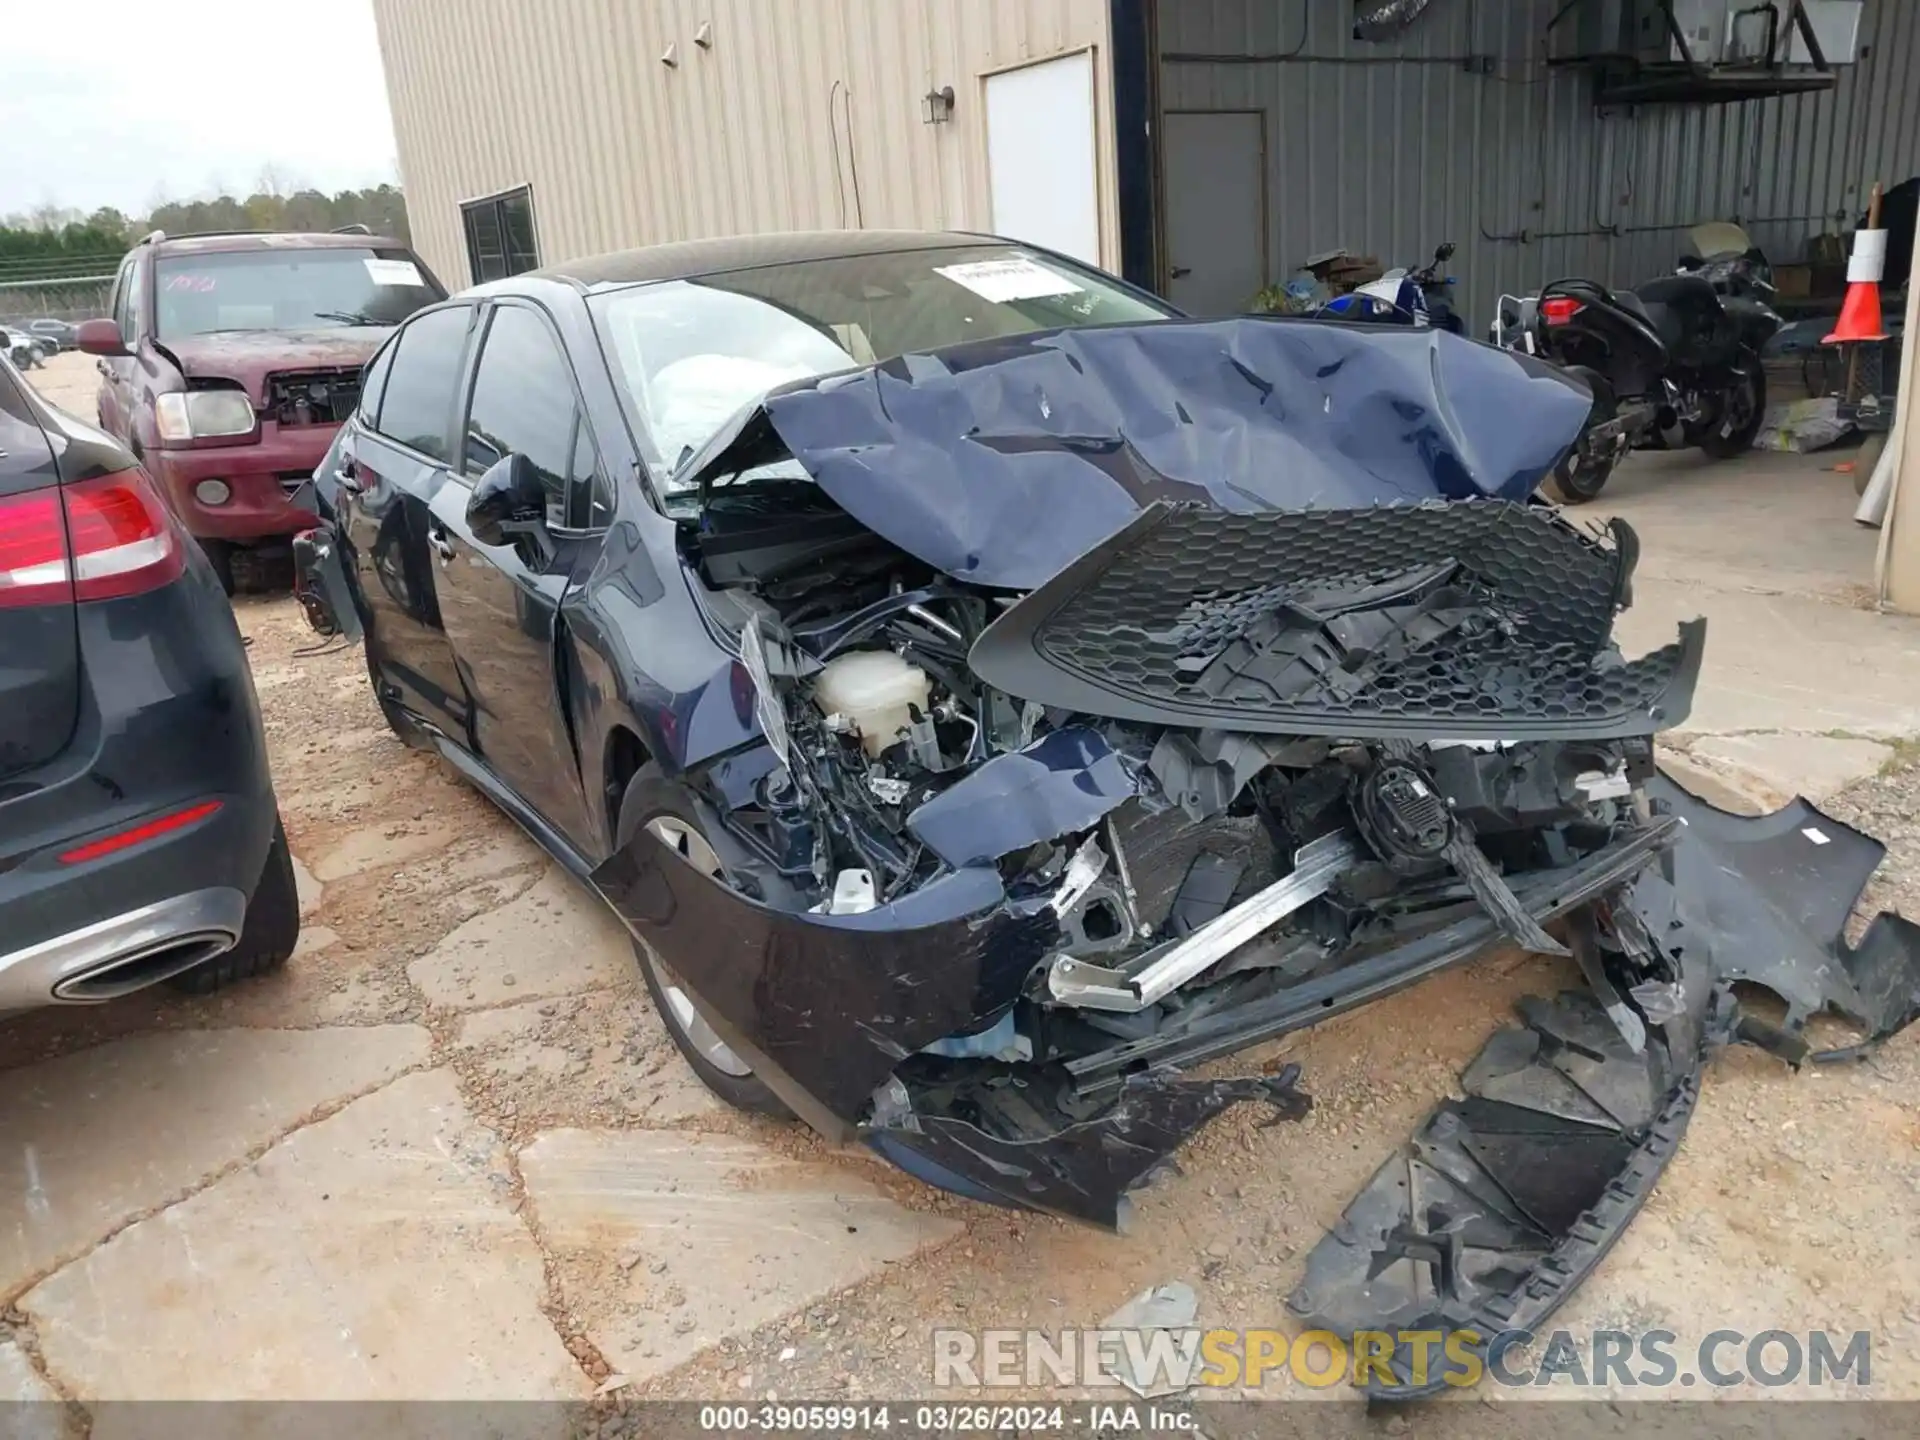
{"x": 804, "y": 114}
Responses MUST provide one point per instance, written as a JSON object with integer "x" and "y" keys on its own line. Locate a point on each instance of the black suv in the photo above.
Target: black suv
{"x": 139, "y": 838}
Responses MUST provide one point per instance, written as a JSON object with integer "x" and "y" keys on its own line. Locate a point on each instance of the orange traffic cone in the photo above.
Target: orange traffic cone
{"x": 1860, "y": 312}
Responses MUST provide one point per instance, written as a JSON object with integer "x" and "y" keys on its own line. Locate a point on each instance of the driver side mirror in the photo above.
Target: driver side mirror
{"x": 100, "y": 337}
{"x": 1444, "y": 253}
{"x": 508, "y": 500}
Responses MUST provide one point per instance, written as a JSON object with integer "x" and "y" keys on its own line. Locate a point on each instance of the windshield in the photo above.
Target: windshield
{"x": 304, "y": 289}
{"x": 693, "y": 352}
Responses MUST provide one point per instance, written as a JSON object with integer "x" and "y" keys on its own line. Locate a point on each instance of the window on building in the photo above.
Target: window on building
{"x": 500, "y": 235}
{"x": 417, "y": 407}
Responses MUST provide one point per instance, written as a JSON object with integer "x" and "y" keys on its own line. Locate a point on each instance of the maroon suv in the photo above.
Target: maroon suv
{"x": 230, "y": 360}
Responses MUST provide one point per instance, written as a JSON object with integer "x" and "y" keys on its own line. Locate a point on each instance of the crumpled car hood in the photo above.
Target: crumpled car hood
{"x": 249, "y": 356}
{"x": 1000, "y": 461}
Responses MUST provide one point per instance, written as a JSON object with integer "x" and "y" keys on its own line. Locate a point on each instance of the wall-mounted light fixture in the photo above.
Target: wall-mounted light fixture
{"x": 670, "y": 57}
{"x": 703, "y": 37}
{"x": 936, "y": 108}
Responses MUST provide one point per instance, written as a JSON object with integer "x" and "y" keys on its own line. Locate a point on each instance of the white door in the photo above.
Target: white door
{"x": 1215, "y": 165}
{"x": 1041, "y": 159}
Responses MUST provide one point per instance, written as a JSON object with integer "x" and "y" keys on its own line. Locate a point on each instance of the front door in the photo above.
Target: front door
{"x": 501, "y": 603}
{"x": 1216, "y": 209}
{"x": 395, "y": 460}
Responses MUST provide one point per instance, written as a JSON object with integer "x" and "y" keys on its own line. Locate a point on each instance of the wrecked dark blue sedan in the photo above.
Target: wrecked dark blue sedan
{"x": 988, "y": 697}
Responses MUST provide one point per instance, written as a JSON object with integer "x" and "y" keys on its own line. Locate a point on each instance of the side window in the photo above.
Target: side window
{"x": 373, "y": 381}
{"x": 592, "y": 499}
{"x": 524, "y": 404}
{"x": 122, "y": 292}
{"x": 417, "y": 401}
{"x": 135, "y": 321}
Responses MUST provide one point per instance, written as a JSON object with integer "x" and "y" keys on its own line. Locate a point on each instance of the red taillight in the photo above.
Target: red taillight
{"x": 1559, "y": 309}
{"x": 145, "y": 830}
{"x": 97, "y": 540}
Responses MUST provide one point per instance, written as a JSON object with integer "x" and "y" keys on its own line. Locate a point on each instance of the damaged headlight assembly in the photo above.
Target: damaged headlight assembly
{"x": 1012, "y": 859}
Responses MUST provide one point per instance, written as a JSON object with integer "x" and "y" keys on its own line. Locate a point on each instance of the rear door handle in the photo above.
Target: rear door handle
{"x": 1180, "y": 272}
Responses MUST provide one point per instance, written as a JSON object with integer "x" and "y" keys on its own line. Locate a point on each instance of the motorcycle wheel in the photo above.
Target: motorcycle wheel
{"x": 1582, "y": 474}
{"x": 1743, "y": 405}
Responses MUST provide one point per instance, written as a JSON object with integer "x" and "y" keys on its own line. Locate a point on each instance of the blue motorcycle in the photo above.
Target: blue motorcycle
{"x": 1422, "y": 297}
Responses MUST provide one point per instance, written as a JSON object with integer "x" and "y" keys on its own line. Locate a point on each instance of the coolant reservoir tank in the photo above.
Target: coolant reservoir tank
{"x": 873, "y": 689}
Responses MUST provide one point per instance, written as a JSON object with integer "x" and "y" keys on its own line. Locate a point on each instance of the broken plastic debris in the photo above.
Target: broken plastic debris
{"x": 1171, "y": 1306}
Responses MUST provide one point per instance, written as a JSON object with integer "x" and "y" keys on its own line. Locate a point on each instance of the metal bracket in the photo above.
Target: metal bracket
{"x": 1094, "y": 987}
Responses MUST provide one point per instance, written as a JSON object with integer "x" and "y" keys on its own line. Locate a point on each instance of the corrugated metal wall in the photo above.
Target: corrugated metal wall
{"x": 1388, "y": 149}
{"x": 804, "y": 114}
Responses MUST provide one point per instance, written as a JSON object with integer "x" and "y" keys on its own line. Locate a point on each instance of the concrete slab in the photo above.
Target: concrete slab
{"x": 596, "y": 1057}
{"x": 557, "y": 939}
{"x": 1785, "y": 662}
{"x": 371, "y": 1256}
{"x": 380, "y": 847}
{"x": 718, "y": 1235}
{"x": 30, "y": 1409}
{"x": 93, "y": 1139}
{"x": 1815, "y": 766}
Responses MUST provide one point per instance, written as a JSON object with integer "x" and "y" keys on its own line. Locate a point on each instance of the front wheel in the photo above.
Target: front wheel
{"x": 1740, "y": 409}
{"x": 673, "y": 822}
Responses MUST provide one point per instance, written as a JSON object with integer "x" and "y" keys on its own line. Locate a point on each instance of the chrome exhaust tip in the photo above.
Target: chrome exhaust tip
{"x": 138, "y": 969}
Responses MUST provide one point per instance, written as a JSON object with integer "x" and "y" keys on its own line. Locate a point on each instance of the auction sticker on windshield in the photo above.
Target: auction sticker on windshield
{"x": 393, "y": 272}
{"x": 999, "y": 281}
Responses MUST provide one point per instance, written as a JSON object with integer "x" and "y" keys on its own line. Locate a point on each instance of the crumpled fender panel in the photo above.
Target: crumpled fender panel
{"x": 1060, "y": 784}
{"x": 1474, "y": 618}
{"x": 825, "y": 1006}
{"x": 1085, "y": 1171}
{"x": 1001, "y": 460}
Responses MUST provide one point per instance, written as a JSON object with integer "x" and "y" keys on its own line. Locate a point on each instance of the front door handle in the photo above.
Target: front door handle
{"x": 441, "y": 543}
{"x": 1180, "y": 272}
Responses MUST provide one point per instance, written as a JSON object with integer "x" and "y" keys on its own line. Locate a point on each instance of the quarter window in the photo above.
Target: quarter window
{"x": 425, "y": 372}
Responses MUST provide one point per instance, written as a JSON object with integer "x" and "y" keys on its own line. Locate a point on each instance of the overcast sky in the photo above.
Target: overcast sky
{"x": 122, "y": 102}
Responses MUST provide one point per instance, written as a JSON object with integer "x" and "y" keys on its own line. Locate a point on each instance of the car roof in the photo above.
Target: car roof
{"x": 683, "y": 259}
{"x": 268, "y": 240}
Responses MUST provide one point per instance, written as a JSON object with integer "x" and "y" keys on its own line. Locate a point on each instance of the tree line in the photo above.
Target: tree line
{"x": 51, "y": 243}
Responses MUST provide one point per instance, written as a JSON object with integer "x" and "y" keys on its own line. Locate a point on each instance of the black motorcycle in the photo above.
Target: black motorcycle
{"x": 1677, "y": 354}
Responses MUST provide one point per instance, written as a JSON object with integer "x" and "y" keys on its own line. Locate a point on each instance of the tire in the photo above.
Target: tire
{"x": 649, "y": 802}
{"x": 1731, "y": 434}
{"x": 1580, "y": 476}
{"x": 219, "y": 555}
{"x": 271, "y": 931}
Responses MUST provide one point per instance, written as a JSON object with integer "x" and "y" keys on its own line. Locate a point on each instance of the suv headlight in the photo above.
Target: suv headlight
{"x": 201, "y": 414}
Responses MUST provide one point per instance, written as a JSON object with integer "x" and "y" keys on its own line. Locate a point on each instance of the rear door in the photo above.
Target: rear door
{"x": 396, "y": 458}
{"x": 39, "y": 645}
{"x": 501, "y": 603}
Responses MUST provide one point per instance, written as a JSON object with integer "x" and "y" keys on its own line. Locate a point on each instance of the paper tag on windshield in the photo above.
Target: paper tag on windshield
{"x": 394, "y": 272}
{"x": 999, "y": 281}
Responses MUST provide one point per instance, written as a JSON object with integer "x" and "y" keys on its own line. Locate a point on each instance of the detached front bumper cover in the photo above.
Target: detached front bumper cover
{"x": 1504, "y": 1201}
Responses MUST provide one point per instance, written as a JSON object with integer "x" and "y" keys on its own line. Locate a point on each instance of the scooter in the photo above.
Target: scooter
{"x": 1681, "y": 352}
{"x": 1422, "y": 297}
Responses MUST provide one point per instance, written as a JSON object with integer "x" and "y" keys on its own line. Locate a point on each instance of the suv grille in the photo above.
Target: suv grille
{"x": 313, "y": 397}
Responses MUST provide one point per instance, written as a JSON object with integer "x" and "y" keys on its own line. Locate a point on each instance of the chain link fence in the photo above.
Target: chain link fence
{"x": 82, "y": 297}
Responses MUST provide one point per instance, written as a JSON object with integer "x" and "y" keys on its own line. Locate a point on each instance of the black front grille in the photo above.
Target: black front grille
{"x": 313, "y": 397}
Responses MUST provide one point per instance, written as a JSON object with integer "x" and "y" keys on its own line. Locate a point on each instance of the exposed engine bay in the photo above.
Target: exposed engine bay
{"x": 1041, "y": 818}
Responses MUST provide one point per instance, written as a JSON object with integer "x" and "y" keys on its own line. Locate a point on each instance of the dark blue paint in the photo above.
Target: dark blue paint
{"x": 1061, "y": 783}
{"x": 1001, "y": 461}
